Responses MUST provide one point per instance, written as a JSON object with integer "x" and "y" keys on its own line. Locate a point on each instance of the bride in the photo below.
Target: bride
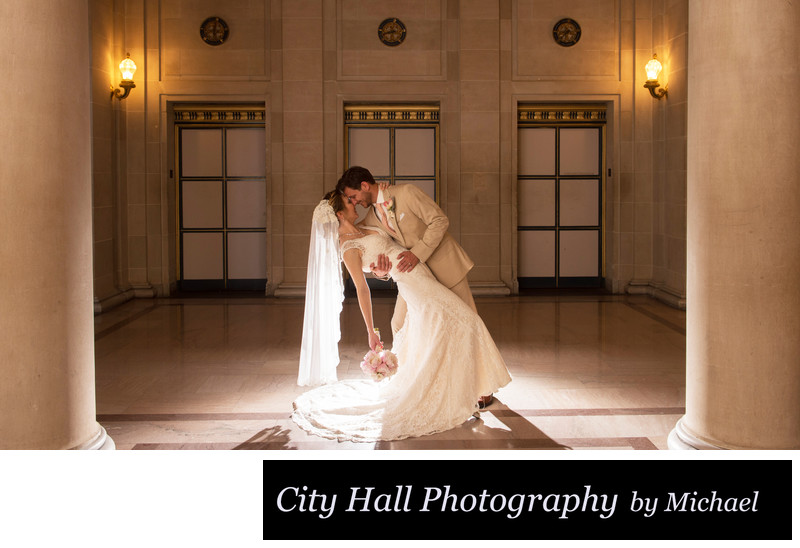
{"x": 447, "y": 358}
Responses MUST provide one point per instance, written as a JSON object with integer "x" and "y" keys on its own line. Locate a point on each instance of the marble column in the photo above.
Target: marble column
{"x": 743, "y": 234}
{"x": 47, "y": 396}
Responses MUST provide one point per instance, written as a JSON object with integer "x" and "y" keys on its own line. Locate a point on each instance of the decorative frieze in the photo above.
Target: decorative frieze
{"x": 390, "y": 113}
{"x": 561, "y": 113}
{"x": 211, "y": 113}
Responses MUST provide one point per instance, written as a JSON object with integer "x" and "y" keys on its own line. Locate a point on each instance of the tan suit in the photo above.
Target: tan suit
{"x": 421, "y": 226}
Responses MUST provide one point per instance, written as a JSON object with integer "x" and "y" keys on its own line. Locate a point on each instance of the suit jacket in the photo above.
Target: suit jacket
{"x": 421, "y": 226}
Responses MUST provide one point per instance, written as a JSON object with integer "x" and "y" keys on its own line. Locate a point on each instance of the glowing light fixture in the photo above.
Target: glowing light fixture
{"x": 653, "y": 68}
{"x": 128, "y": 68}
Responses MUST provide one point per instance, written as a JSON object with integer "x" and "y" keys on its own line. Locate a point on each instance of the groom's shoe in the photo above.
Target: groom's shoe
{"x": 485, "y": 401}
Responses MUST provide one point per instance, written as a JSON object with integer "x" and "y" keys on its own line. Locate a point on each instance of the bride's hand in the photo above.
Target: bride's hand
{"x": 383, "y": 185}
{"x": 374, "y": 340}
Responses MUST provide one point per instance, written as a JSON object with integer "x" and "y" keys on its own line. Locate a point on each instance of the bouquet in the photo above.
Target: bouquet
{"x": 379, "y": 363}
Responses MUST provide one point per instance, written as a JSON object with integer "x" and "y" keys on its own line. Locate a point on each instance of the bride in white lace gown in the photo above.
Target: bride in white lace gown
{"x": 447, "y": 358}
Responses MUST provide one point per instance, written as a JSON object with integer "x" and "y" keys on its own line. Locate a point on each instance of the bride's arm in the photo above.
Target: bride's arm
{"x": 352, "y": 260}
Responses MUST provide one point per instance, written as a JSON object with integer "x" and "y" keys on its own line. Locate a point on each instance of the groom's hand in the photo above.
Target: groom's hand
{"x": 407, "y": 261}
{"x": 383, "y": 267}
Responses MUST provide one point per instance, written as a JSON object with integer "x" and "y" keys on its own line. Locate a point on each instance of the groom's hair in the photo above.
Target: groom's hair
{"x": 353, "y": 177}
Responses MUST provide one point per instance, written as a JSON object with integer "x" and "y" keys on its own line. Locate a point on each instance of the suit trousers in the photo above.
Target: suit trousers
{"x": 461, "y": 289}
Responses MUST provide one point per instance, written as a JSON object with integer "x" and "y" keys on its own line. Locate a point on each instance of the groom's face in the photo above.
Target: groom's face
{"x": 361, "y": 196}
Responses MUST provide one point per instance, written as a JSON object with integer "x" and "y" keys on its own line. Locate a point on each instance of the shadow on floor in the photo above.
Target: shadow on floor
{"x": 273, "y": 438}
{"x": 483, "y": 432}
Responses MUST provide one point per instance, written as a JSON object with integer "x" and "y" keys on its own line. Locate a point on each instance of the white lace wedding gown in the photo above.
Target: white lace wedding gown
{"x": 447, "y": 360}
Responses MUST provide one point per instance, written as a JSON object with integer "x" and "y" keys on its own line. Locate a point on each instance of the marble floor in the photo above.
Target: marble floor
{"x": 589, "y": 372}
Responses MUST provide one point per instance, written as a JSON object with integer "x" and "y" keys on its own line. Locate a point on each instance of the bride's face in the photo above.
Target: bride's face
{"x": 349, "y": 212}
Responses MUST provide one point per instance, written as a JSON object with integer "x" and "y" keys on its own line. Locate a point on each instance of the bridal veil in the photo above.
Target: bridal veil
{"x": 319, "y": 352}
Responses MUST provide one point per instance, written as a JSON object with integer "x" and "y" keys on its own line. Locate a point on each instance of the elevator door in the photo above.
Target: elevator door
{"x": 560, "y": 204}
{"x": 222, "y": 207}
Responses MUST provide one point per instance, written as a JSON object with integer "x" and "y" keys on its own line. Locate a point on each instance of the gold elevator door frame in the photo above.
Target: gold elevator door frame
{"x": 561, "y": 195}
{"x": 220, "y": 197}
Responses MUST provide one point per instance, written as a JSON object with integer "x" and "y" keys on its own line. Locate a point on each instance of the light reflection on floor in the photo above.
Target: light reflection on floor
{"x": 590, "y": 372}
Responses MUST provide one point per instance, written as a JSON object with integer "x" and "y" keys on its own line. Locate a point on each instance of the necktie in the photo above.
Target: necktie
{"x": 384, "y": 220}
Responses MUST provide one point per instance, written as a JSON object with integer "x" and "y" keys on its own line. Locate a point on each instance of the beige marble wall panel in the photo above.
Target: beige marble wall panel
{"x": 303, "y": 157}
{"x": 362, "y": 55}
{"x": 185, "y": 55}
{"x": 154, "y": 252}
{"x": 103, "y": 224}
{"x": 596, "y": 55}
{"x": 296, "y": 257}
{"x": 303, "y": 188}
{"x": 103, "y": 156}
{"x": 135, "y": 192}
{"x": 476, "y": 157}
{"x": 297, "y": 32}
{"x": 302, "y": 127}
{"x": 669, "y": 22}
{"x": 479, "y": 218}
{"x": 483, "y": 250}
{"x": 137, "y": 256}
{"x": 643, "y": 217}
{"x": 302, "y": 163}
{"x": 479, "y": 166}
{"x": 643, "y": 255}
{"x": 297, "y": 218}
{"x": 298, "y": 135}
{"x": 478, "y": 188}
{"x": 390, "y": 65}
{"x": 622, "y": 136}
{"x": 302, "y": 65}
{"x": 479, "y": 96}
{"x": 105, "y": 120}
{"x": 480, "y": 65}
{"x": 298, "y": 94}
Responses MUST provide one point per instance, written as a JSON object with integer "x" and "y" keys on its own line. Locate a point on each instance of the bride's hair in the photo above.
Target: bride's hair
{"x": 335, "y": 200}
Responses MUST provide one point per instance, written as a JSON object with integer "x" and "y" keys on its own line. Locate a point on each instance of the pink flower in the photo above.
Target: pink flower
{"x": 390, "y": 359}
{"x": 379, "y": 364}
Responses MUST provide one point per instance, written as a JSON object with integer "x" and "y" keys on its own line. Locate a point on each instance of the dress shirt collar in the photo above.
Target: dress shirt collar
{"x": 381, "y": 198}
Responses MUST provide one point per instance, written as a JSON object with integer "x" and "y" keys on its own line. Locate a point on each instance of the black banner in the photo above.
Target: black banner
{"x": 528, "y": 499}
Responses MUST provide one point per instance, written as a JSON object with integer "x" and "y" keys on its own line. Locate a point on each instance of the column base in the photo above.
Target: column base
{"x": 681, "y": 440}
{"x": 660, "y": 292}
{"x": 290, "y": 290}
{"x": 107, "y": 304}
{"x": 490, "y": 289}
{"x": 101, "y": 441}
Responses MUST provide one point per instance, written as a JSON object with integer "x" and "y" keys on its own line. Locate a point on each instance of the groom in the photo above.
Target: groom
{"x": 414, "y": 221}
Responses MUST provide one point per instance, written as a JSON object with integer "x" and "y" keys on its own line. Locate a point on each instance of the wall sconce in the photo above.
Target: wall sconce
{"x": 127, "y": 67}
{"x": 653, "y": 68}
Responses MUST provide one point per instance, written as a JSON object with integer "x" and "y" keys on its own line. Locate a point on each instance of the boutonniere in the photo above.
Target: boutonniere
{"x": 389, "y": 205}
